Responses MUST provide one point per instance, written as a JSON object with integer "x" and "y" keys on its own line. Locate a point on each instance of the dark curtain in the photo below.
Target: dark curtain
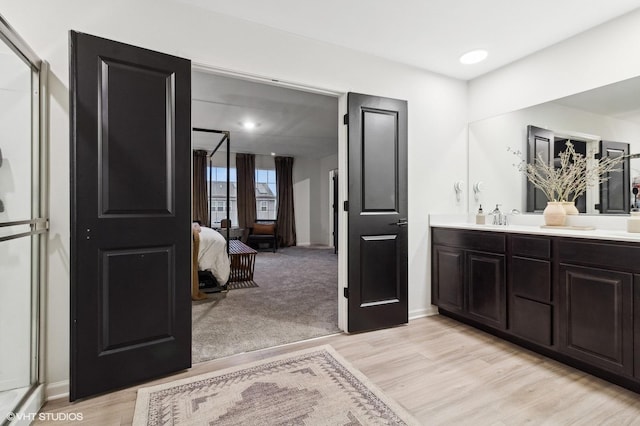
{"x": 246, "y": 168}
{"x": 200, "y": 210}
{"x": 286, "y": 215}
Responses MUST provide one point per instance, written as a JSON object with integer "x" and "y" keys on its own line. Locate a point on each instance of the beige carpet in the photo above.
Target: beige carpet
{"x": 297, "y": 300}
{"x": 311, "y": 387}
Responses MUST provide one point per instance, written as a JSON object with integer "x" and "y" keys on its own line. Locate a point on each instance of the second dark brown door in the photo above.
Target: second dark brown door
{"x": 130, "y": 215}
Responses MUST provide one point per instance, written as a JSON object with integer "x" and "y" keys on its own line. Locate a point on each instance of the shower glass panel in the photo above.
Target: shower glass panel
{"x": 21, "y": 223}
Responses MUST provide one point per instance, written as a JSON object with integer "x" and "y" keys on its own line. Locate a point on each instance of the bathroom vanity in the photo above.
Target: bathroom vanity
{"x": 571, "y": 295}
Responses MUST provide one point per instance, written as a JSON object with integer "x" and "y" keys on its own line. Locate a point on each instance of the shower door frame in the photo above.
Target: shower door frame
{"x": 38, "y": 223}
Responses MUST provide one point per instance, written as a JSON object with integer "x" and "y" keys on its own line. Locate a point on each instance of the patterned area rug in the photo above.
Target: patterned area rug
{"x": 312, "y": 387}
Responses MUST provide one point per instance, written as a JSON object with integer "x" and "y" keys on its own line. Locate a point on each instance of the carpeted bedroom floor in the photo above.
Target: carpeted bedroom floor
{"x": 297, "y": 299}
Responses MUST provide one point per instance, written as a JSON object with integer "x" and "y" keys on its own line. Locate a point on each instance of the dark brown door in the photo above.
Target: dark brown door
{"x": 539, "y": 145}
{"x": 336, "y": 199}
{"x": 130, "y": 214}
{"x": 377, "y": 176}
{"x": 615, "y": 195}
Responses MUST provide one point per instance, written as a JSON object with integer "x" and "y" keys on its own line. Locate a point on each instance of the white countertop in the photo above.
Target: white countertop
{"x": 461, "y": 222}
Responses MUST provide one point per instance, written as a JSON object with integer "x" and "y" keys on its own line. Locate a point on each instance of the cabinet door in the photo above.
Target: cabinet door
{"x": 486, "y": 293}
{"x": 596, "y": 322}
{"x": 447, "y": 278}
{"x": 636, "y": 328}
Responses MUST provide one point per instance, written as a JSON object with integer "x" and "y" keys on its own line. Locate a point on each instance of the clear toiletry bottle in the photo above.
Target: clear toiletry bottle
{"x": 480, "y": 217}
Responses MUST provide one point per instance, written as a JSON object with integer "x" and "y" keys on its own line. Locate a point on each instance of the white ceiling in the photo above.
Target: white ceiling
{"x": 290, "y": 122}
{"x": 431, "y": 34}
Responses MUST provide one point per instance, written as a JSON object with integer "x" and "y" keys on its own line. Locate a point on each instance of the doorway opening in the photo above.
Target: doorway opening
{"x": 292, "y": 293}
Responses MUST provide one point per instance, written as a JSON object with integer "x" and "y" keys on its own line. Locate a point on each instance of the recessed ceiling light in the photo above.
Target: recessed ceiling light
{"x": 474, "y": 56}
{"x": 273, "y": 154}
{"x": 248, "y": 125}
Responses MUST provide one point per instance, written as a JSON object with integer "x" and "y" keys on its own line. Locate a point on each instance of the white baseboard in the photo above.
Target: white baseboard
{"x": 424, "y": 312}
{"x": 56, "y": 390}
{"x": 303, "y": 244}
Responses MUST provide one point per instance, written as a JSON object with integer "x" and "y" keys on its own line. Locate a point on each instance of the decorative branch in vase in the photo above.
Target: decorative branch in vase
{"x": 563, "y": 185}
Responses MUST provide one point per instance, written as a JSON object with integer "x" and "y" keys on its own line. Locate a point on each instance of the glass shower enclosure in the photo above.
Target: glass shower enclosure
{"x": 23, "y": 223}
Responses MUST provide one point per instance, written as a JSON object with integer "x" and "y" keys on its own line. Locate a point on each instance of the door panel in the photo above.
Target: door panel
{"x": 379, "y": 154}
{"x": 615, "y": 197}
{"x": 378, "y": 264}
{"x": 377, "y": 144}
{"x": 125, "y": 283}
{"x": 539, "y": 143}
{"x": 133, "y": 100}
{"x": 131, "y": 214}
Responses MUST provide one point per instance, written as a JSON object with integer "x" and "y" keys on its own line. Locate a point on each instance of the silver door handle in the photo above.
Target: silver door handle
{"x": 400, "y": 222}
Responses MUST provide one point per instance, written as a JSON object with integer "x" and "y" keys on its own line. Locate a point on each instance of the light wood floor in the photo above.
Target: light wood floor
{"x": 443, "y": 372}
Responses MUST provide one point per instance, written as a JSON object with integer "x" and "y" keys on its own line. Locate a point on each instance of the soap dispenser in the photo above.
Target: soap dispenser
{"x": 497, "y": 216}
{"x": 480, "y": 217}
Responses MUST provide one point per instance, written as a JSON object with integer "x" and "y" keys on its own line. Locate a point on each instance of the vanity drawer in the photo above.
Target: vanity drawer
{"x": 494, "y": 242}
{"x": 532, "y": 321}
{"x": 608, "y": 255}
{"x": 531, "y": 247}
{"x": 531, "y": 278}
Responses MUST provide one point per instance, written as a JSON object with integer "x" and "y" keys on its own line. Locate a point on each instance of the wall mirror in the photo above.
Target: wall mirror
{"x": 609, "y": 113}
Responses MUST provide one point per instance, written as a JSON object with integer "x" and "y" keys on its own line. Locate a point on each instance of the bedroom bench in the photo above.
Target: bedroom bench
{"x": 243, "y": 259}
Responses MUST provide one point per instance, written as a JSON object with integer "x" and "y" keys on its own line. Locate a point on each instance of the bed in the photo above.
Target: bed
{"x": 212, "y": 254}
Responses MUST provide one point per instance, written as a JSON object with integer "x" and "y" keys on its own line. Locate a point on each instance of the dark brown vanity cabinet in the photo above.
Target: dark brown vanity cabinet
{"x": 576, "y": 300}
{"x": 468, "y": 275}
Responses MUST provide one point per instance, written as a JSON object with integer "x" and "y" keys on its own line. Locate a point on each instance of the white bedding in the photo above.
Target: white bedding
{"x": 212, "y": 254}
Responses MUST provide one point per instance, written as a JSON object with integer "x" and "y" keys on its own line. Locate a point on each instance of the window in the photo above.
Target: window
{"x": 266, "y": 194}
{"x": 217, "y": 187}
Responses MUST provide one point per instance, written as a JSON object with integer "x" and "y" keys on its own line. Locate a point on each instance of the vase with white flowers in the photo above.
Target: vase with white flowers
{"x": 564, "y": 183}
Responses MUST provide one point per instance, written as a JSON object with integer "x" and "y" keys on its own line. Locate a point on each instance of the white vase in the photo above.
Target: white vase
{"x": 633, "y": 223}
{"x": 554, "y": 214}
{"x": 570, "y": 208}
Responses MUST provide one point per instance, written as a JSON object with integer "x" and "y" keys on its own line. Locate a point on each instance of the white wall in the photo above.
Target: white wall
{"x": 302, "y": 209}
{"x": 603, "y": 55}
{"x": 437, "y": 111}
{"x": 311, "y": 198}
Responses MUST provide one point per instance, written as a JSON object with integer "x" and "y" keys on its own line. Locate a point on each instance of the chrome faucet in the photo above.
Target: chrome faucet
{"x": 498, "y": 217}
